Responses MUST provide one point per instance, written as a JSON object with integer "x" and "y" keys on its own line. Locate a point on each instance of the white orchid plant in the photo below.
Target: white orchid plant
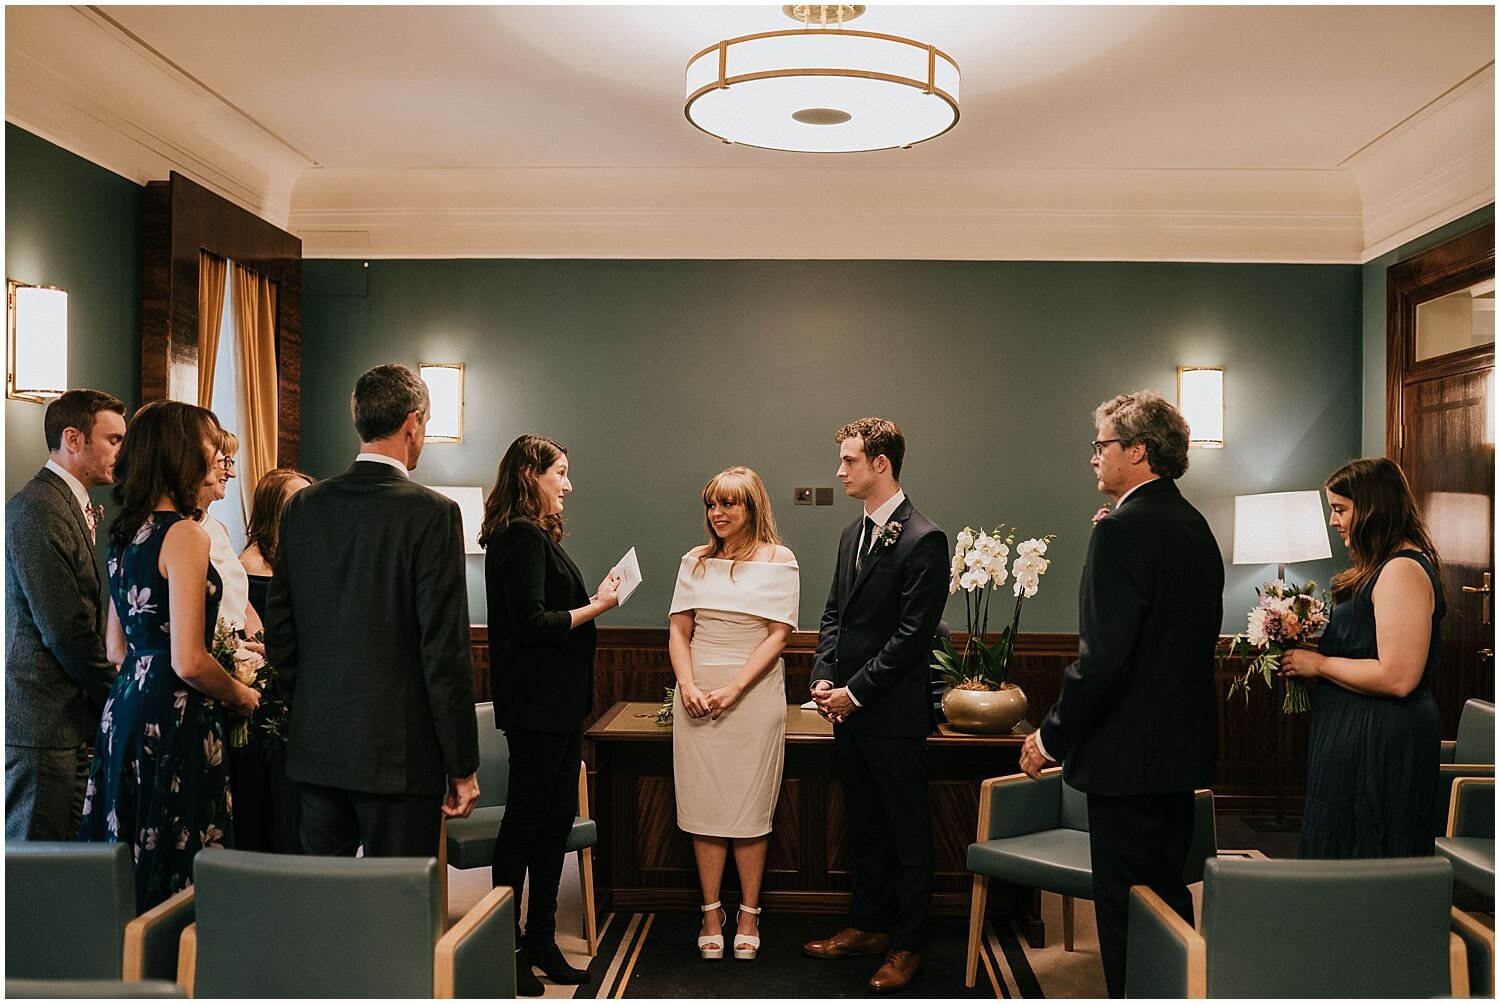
{"x": 979, "y": 569}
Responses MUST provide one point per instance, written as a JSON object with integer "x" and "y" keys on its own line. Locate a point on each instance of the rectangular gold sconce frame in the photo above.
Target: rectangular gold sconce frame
{"x": 1200, "y": 398}
{"x": 453, "y": 430}
{"x": 18, "y": 384}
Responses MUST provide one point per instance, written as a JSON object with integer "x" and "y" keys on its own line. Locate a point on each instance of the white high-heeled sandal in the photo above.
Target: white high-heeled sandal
{"x": 711, "y": 946}
{"x": 753, "y": 940}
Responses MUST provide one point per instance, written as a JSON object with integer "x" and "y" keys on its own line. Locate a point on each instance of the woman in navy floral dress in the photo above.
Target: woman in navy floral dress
{"x": 159, "y": 780}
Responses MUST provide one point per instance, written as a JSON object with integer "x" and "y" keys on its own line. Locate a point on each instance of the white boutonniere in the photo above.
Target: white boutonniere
{"x": 887, "y": 535}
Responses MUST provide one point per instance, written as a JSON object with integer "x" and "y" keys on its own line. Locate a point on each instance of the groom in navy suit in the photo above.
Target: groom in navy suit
{"x": 870, "y": 678}
{"x": 1136, "y": 726}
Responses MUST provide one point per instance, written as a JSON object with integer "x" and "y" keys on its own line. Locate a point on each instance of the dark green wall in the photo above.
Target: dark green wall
{"x": 69, "y": 223}
{"x": 656, "y": 374}
{"x": 1374, "y": 286}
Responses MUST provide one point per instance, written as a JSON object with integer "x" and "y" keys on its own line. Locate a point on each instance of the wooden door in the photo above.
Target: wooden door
{"x": 1440, "y": 428}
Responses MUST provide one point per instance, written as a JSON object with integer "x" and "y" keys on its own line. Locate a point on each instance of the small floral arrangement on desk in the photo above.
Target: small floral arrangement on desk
{"x": 664, "y": 713}
{"x": 1287, "y": 616}
{"x": 232, "y": 651}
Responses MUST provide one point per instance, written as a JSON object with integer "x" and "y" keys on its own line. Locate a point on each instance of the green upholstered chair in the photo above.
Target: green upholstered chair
{"x": 1479, "y": 942}
{"x": 1469, "y": 841}
{"x": 1280, "y": 928}
{"x": 1036, "y": 834}
{"x": 76, "y": 989}
{"x": 470, "y": 843}
{"x": 70, "y": 915}
{"x": 276, "y": 925}
{"x": 1469, "y": 754}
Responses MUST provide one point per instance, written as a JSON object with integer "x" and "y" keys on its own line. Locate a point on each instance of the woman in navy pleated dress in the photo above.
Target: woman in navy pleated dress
{"x": 159, "y": 781}
{"x": 1374, "y": 736}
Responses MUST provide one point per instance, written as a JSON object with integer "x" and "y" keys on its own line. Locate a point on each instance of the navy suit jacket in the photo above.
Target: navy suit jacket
{"x": 1138, "y": 713}
{"x": 876, "y": 634}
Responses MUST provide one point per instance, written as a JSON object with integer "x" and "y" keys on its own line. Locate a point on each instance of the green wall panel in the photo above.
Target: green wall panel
{"x": 72, "y": 224}
{"x": 657, "y": 374}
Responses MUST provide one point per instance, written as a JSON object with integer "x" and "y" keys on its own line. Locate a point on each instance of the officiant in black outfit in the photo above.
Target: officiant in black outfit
{"x": 1136, "y": 724}
{"x": 870, "y": 678}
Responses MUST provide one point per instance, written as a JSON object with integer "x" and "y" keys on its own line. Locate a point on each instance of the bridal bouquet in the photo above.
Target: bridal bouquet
{"x": 979, "y": 560}
{"x": 1287, "y": 616}
{"x": 251, "y": 668}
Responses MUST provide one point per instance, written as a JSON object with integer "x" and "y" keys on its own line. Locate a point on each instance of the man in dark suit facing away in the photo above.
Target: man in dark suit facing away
{"x": 1136, "y": 726}
{"x": 368, "y": 619}
{"x": 870, "y": 678}
{"x": 57, "y": 676}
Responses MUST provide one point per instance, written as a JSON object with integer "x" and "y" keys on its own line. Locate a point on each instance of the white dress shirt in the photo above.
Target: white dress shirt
{"x": 79, "y": 492}
{"x": 235, "y": 596}
{"x": 381, "y": 458}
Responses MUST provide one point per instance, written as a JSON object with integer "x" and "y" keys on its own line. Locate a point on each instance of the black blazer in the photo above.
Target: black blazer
{"x": 877, "y": 628}
{"x": 367, "y": 617}
{"x": 541, "y": 669}
{"x": 1138, "y": 714}
{"x": 56, "y": 674}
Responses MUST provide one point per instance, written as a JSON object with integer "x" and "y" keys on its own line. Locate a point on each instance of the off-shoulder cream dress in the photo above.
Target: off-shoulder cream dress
{"x": 728, "y": 770}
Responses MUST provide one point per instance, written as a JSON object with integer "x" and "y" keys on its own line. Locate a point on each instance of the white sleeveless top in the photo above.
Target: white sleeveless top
{"x": 236, "y": 595}
{"x": 765, "y": 589}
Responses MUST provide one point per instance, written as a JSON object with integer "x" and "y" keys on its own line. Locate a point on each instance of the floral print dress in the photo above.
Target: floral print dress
{"x": 158, "y": 780}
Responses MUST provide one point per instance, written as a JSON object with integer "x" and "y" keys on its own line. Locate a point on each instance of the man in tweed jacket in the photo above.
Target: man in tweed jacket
{"x": 56, "y": 674}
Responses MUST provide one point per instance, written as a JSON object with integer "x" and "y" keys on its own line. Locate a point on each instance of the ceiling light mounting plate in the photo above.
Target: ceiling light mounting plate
{"x": 823, "y": 14}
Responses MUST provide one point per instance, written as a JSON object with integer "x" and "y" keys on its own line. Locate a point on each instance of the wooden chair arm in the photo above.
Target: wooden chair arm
{"x": 147, "y": 933}
{"x": 445, "y": 955}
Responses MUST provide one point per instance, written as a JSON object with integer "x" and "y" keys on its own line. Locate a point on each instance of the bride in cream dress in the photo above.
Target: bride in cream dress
{"x": 734, "y": 606}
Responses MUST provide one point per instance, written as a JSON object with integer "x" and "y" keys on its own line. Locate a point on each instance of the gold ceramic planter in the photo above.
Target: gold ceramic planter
{"x": 985, "y": 712}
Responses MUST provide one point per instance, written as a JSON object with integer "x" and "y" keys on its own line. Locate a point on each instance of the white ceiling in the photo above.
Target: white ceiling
{"x": 1166, "y": 133}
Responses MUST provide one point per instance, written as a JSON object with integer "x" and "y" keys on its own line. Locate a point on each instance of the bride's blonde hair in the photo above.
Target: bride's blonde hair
{"x": 740, "y": 486}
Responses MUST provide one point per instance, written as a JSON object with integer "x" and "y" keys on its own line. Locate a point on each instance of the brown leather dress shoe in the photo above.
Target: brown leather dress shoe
{"x": 849, "y": 941}
{"x": 901, "y": 967}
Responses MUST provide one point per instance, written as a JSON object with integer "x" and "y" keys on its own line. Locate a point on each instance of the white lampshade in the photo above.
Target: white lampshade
{"x": 1200, "y": 397}
{"x": 1279, "y": 528}
{"x": 38, "y": 329}
{"x": 822, "y": 91}
{"x": 471, "y": 504}
{"x": 445, "y": 388}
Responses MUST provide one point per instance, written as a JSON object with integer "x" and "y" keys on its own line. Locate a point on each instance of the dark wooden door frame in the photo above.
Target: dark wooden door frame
{"x": 1456, "y": 264}
{"x": 182, "y": 218}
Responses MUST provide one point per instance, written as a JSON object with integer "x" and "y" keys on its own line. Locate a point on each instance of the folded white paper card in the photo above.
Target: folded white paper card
{"x": 629, "y": 571}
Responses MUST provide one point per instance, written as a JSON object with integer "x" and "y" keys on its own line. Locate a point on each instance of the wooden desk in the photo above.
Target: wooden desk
{"x": 644, "y": 862}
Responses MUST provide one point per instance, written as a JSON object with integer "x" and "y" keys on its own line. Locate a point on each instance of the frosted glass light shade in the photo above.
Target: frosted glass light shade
{"x": 822, "y": 91}
{"x": 1200, "y": 398}
{"x": 445, "y": 413}
{"x": 37, "y": 357}
{"x": 471, "y": 504}
{"x": 1279, "y": 528}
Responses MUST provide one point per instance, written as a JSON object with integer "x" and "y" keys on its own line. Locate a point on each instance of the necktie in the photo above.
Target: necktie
{"x": 869, "y": 544}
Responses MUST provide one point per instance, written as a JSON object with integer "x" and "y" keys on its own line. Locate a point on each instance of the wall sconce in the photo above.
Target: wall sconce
{"x": 37, "y": 357}
{"x": 445, "y": 387}
{"x": 471, "y": 504}
{"x": 1200, "y": 398}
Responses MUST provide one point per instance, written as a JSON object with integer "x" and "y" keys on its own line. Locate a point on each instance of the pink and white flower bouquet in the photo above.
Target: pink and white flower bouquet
{"x": 1288, "y": 616}
{"x": 245, "y": 664}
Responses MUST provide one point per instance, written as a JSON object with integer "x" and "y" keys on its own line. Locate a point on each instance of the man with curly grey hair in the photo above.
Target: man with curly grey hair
{"x": 1135, "y": 727}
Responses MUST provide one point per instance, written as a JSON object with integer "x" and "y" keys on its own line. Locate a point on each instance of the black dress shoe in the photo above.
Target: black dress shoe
{"x": 527, "y": 985}
{"x": 551, "y": 961}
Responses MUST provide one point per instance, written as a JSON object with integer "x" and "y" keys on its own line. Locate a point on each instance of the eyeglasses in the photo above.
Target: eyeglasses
{"x": 1100, "y": 444}
{"x": 227, "y": 463}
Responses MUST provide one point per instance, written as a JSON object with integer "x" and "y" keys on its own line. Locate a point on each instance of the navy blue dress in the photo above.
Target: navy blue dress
{"x": 1372, "y": 762}
{"x": 159, "y": 780}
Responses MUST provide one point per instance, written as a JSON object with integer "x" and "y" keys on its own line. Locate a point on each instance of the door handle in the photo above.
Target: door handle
{"x": 1485, "y": 591}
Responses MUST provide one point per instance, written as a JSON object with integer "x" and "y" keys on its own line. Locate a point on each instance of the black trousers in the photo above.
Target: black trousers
{"x": 1136, "y": 840}
{"x": 541, "y": 803}
{"x": 337, "y": 822}
{"x": 885, "y": 798}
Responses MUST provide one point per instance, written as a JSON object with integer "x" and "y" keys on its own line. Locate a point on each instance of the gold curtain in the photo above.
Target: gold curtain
{"x": 211, "y": 273}
{"x": 255, "y": 329}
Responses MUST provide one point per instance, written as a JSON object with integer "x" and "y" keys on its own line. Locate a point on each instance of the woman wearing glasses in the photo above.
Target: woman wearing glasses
{"x": 234, "y": 608}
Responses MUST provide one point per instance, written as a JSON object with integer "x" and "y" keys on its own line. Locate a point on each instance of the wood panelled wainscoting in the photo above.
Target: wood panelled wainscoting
{"x": 632, "y": 665}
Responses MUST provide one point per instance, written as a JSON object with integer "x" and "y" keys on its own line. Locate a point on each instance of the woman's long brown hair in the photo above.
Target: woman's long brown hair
{"x": 1385, "y": 515}
{"x": 264, "y": 528}
{"x": 167, "y": 453}
{"x": 517, "y": 493}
